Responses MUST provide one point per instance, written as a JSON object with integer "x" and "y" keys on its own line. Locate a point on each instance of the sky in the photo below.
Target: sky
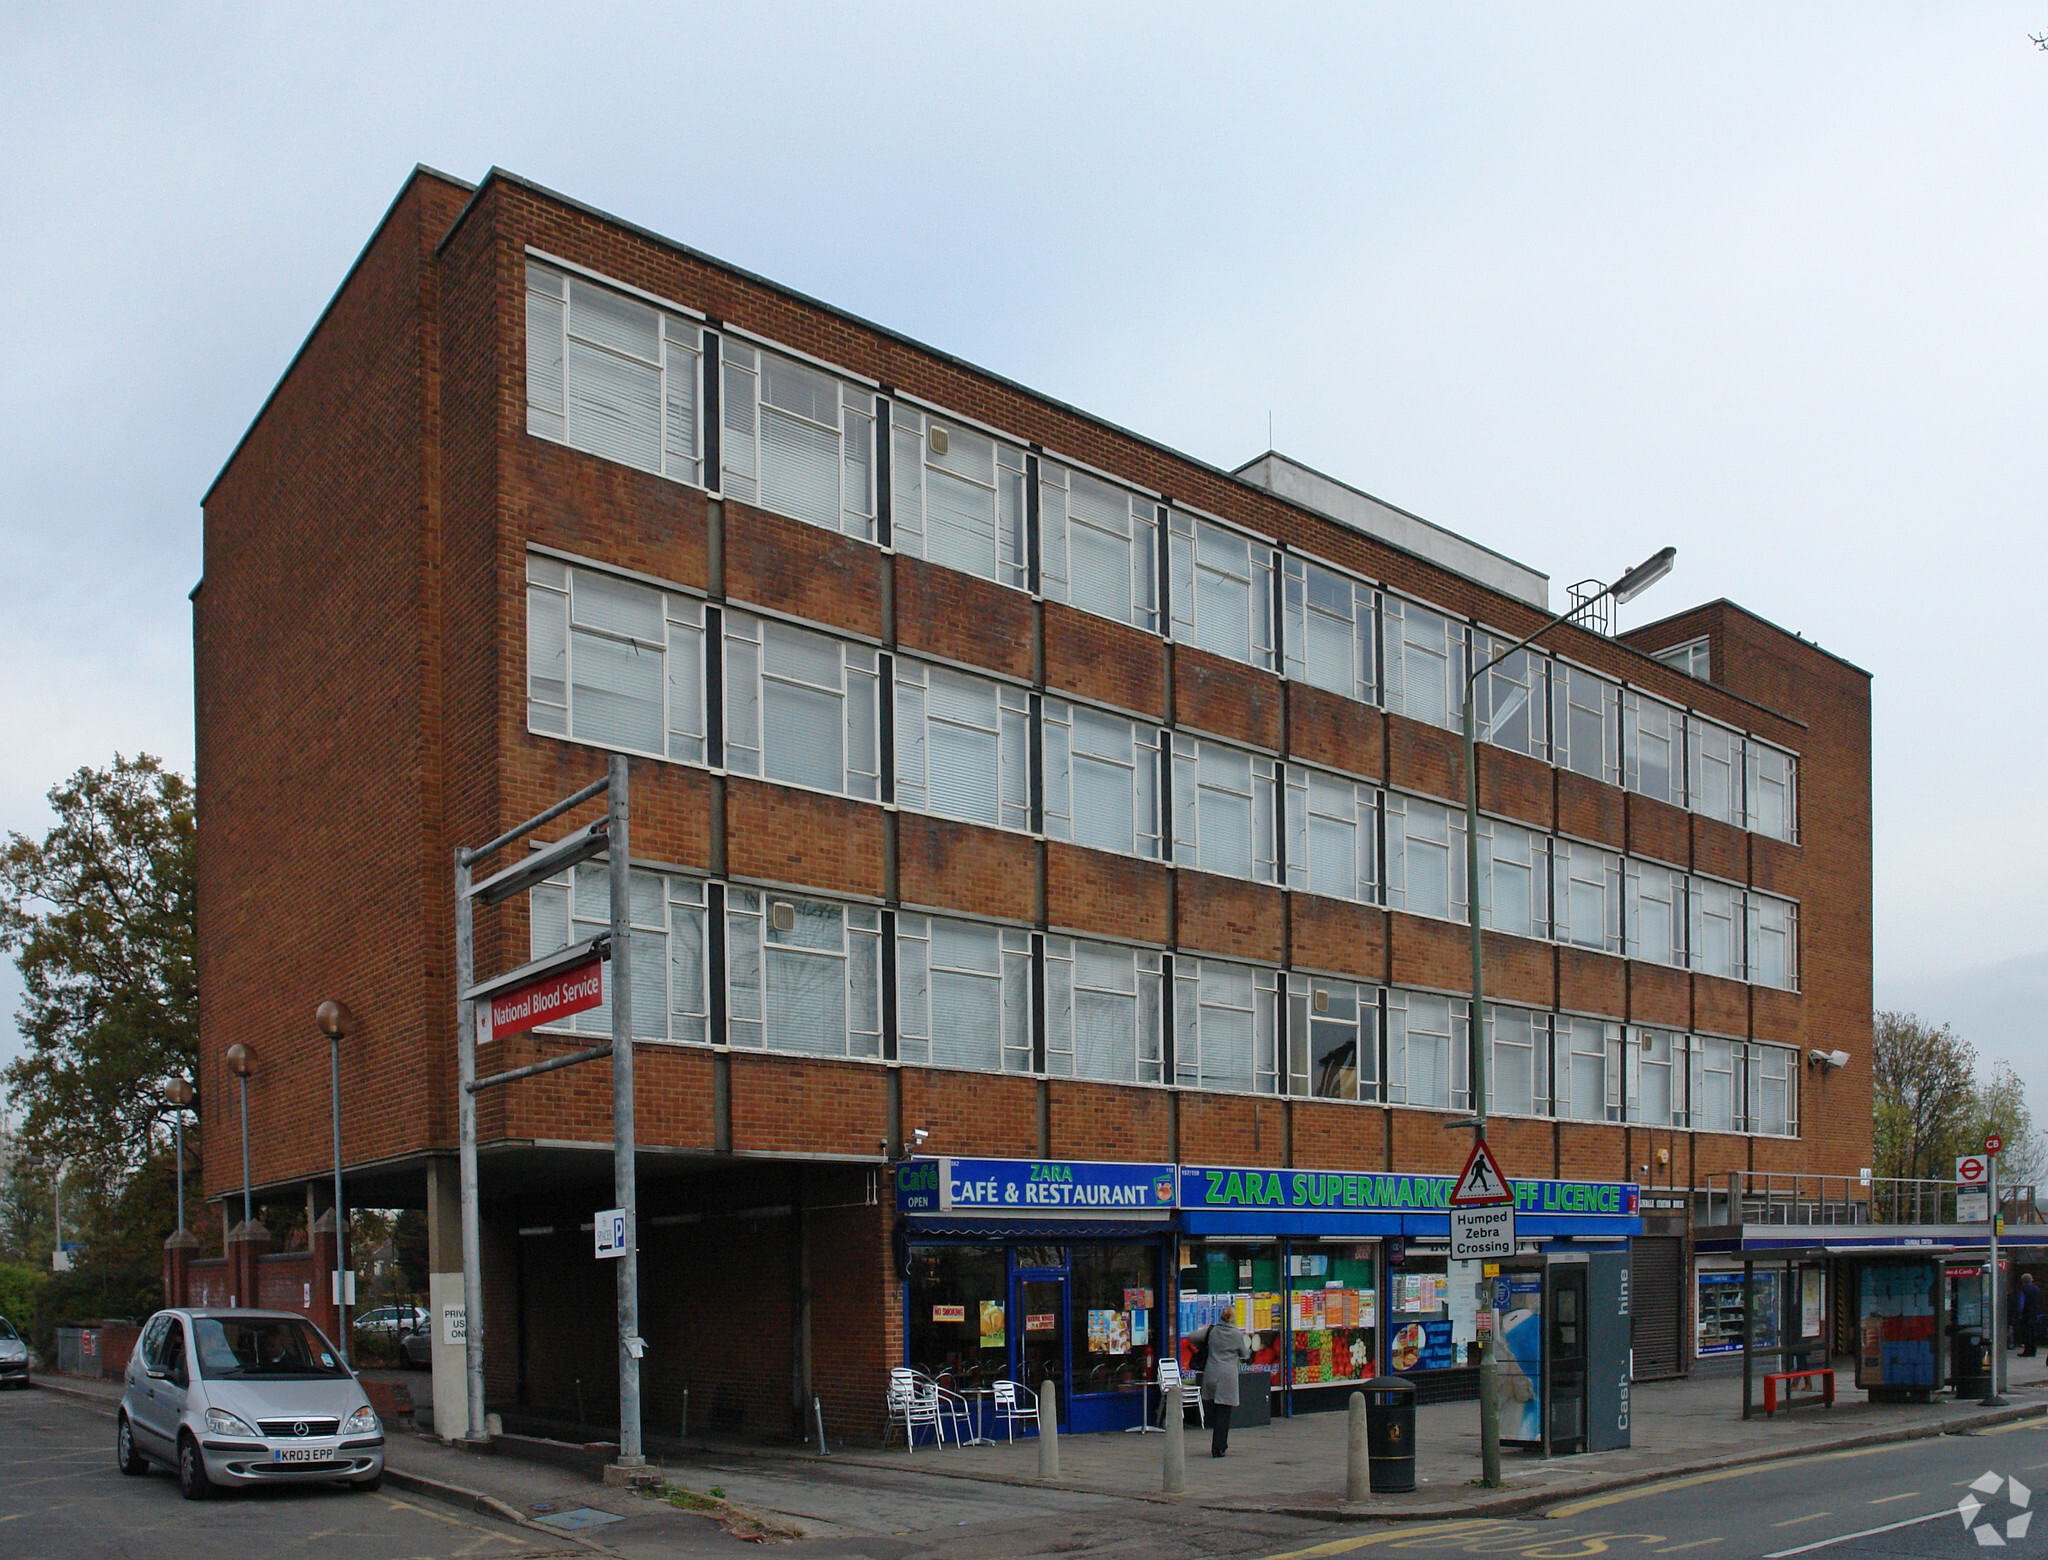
{"x": 1759, "y": 281}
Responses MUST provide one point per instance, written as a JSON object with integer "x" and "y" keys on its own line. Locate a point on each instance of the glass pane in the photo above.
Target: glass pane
{"x": 617, "y": 699}
{"x": 803, "y": 737}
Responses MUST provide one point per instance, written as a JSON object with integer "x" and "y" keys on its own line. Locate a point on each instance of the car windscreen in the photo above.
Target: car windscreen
{"x": 270, "y": 1348}
{"x": 7, "y": 1329}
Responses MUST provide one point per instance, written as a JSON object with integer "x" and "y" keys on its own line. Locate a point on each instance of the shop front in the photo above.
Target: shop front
{"x": 1039, "y": 1271}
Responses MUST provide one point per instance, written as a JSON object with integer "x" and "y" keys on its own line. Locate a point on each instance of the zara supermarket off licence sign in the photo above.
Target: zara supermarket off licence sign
{"x": 1032, "y": 1186}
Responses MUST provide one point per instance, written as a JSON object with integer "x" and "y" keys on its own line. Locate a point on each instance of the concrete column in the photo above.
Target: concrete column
{"x": 247, "y": 1243}
{"x": 444, "y": 1294}
{"x": 178, "y": 1253}
{"x": 326, "y": 1316}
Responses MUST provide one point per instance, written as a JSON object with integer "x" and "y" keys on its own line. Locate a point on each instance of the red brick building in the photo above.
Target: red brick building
{"x": 996, "y": 774}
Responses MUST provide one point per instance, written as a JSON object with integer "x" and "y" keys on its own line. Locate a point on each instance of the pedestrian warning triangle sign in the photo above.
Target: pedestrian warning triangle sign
{"x": 1481, "y": 1181}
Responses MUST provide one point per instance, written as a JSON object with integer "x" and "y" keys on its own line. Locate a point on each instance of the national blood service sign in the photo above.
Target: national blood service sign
{"x": 544, "y": 1001}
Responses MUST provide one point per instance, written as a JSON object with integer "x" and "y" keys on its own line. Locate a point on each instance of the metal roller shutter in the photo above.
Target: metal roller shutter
{"x": 1656, "y": 1273}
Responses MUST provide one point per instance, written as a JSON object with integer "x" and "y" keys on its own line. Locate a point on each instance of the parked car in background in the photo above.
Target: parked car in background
{"x": 231, "y": 1398}
{"x": 391, "y": 1321}
{"x": 416, "y": 1350}
{"x": 13, "y": 1356}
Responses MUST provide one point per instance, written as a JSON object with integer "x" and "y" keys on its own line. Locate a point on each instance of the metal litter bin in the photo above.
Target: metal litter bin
{"x": 1390, "y": 1434}
{"x": 1970, "y": 1362}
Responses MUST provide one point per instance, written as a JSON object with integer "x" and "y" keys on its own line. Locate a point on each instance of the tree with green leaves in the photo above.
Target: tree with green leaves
{"x": 98, "y": 915}
{"x": 1930, "y": 1105}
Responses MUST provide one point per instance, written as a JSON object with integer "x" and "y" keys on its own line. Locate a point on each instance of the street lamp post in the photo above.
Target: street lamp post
{"x": 178, "y": 1094}
{"x": 242, "y": 1062}
{"x": 334, "y": 1019}
{"x": 1629, "y": 586}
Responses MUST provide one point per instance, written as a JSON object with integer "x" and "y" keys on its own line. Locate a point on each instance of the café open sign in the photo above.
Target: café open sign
{"x": 545, "y": 1001}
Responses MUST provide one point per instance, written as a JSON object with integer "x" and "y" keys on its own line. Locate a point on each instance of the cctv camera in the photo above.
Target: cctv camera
{"x": 1827, "y": 1059}
{"x": 917, "y": 1136}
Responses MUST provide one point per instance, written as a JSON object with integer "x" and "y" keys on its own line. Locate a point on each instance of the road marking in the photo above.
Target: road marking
{"x": 1698, "y": 1543}
{"x": 1886, "y": 1500}
{"x": 1795, "y": 1521}
{"x": 1573, "y": 1508}
{"x": 1344, "y": 1546}
{"x": 1843, "y": 1538}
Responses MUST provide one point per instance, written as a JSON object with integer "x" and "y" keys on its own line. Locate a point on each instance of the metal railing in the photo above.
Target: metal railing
{"x": 1773, "y": 1197}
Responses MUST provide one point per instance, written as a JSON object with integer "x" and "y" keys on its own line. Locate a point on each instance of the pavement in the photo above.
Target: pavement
{"x": 728, "y": 1493}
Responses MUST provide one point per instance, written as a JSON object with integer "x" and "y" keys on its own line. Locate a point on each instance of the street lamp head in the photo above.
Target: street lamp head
{"x": 1644, "y": 575}
{"x": 178, "y": 1092}
{"x": 241, "y": 1061}
{"x": 334, "y": 1018}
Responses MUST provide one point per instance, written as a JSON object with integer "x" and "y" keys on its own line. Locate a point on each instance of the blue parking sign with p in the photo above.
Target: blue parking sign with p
{"x": 609, "y": 1227}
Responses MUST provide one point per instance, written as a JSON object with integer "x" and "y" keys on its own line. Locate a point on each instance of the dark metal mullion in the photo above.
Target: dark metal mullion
{"x": 714, "y": 686}
{"x": 891, "y": 1019}
{"x": 713, "y": 359}
{"x": 1169, "y": 1048}
{"x": 885, "y": 439}
{"x": 1031, "y": 524}
{"x": 1038, "y": 1004}
{"x": 714, "y": 948}
{"x": 885, "y": 719}
{"x": 1035, "y": 743}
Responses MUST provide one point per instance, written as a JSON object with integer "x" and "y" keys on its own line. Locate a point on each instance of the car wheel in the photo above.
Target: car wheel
{"x": 369, "y": 1486}
{"x": 126, "y": 1458}
{"x": 193, "y": 1483}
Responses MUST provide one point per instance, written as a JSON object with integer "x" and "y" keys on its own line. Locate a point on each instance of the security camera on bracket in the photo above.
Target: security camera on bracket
{"x": 1827, "y": 1061}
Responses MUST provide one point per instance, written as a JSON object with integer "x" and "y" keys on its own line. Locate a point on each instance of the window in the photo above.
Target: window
{"x": 956, "y": 497}
{"x": 1103, "y": 1014}
{"x": 1585, "y": 722}
{"x": 1333, "y": 1030}
{"x": 1772, "y": 774}
{"x": 1332, "y": 835}
{"x": 1773, "y": 941}
{"x": 612, "y": 376}
{"x": 1223, "y": 815}
{"x": 963, "y": 994}
{"x": 1713, "y": 1084}
{"x": 1588, "y": 895}
{"x": 1651, "y": 1064}
{"x": 1426, "y": 1051}
{"x": 1425, "y": 857}
{"x": 1716, "y": 927}
{"x": 1585, "y": 1087}
{"x": 1225, "y": 1026}
{"x": 1689, "y": 658}
{"x": 1098, "y": 547}
{"x": 803, "y": 975}
{"x": 613, "y": 663}
{"x": 1101, "y": 779}
{"x": 1514, "y": 879}
{"x": 1510, "y": 703}
{"x": 963, "y": 746}
{"x": 1222, "y": 590}
{"x": 667, "y": 920}
{"x": 1329, "y": 629}
{"x": 800, "y": 707}
{"x": 1653, "y": 911}
{"x": 1425, "y": 664}
{"x": 1714, "y": 755}
{"x": 795, "y": 440}
{"x": 1652, "y": 747}
{"x": 1773, "y": 1090}
{"x": 1518, "y": 1069}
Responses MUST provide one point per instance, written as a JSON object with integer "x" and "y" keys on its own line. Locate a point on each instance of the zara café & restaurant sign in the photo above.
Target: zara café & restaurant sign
{"x": 1032, "y": 1186}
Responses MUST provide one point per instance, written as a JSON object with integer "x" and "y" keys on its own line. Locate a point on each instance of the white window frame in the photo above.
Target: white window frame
{"x": 1650, "y": 727}
{"x": 1214, "y": 787}
{"x": 1716, "y": 1056}
{"x": 1526, "y": 1032}
{"x": 1203, "y": 554}
{"x": 567, "y": 626}
{"x": 1316, "y": 596}
{"x": 1323, "y": 1017}
{"x": 1714, "y": 770}
{"x": 1764, "y": 1065}
{"x": 1076, "y": 505}
{"x": 1648, "y": 883}
{"x": 746, "y": 410}
{"x": 1425, "y": 850}
{"x": 1210, "y": 996}
{"x": 1124, "y": 981}
{"x": 1690, "y": 658}
{"x": 1577, "y": 696}
{"x": 927, "y": 955}
{"x": 1138, "y": 762}
{"x": 749, "y": 685}
{"x": 1511, "y": 702}
{"x": 1580, "y": 871}
{"x": 1316, "y": 798}
{"x": 670, "y": 948}
{"x": 1440, "y": 1023}
{"x": 752, "y": 919}
{"x": 1771, "y": 924}
{"x": 930, "y": 446}
{"x": 1642, "y": 1051}
{"x": 1772, "y": 776}
{"x": 1712, "y": 903}
{"x": 1521, "y": 856}
{"x": 1424, "y": 658}
{"x": 930, "y": 700}
{"x": 1585, "y": 1085}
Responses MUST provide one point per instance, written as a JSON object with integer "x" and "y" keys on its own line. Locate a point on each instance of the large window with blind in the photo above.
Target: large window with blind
{"x": 1514, "y": 879}
{"x": 1717, "y": 917}
{"x": 803, "y": 974}
{"x": 1104, "y": 1012}
{"x": 1224, "y": 810}
{"x": 1772, "y": 800}
{"x": 1652, "y": 747}
{"x": 794, "y": 439}
{"x": 963, "y": 746}
{"x": 1585, "y": 1086}
{"x": 669, "y": 966}
{"x": 1226, "y": 1026}
{"x": 1518, "y": 1069}
{"x": 612, "y": 376}
{"x": 956, "y": 497}
{"x": 613, "y": 663}
{"x": 1425, "y": 857}
{"x": 1427, "y": 1051}
{"x": 1222, "y": 590}
{"x": 963, "y": 994}
{"x": 1653, "y": 913}
{"x": 1332, "y": 835}
{"x": 1585, "y": 722}
{"x": 800, "y": 707}
{"x": 1098, "y": 546}
{"x": 1331, "y": 630}
{"x": 1101, "y": 779}
{"x": 1714, "y": 770}
{"x": 1773, "y": 940}
{"x": 1425, "y": 663}
{"x": 1588, "y": 894}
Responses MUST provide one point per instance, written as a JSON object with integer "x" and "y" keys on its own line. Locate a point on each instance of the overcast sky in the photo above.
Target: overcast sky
{"x": 1577, "y": 281}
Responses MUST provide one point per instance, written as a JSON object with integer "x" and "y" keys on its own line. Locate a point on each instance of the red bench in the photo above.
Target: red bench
{"x": 1825, "y": 1374}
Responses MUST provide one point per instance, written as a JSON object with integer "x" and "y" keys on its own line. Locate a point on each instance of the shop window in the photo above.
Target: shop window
{"x": 612, "y": 376}
{"x": 1586, "y": 1086}
{"x": 956, "y": 497}
{"x": 1425, "y": 857}
{"x": 1101, "y": 779}
{"x": 1332, "y": 835}
{"x": 1518, "y": 1069}
{"x": 1716, "y": 916}
{"x": 1425, "y": 664}
{"x": 1588, "y": 895}
{"x": 1426, "y": 1051}
{"x": 1510, "y": 702}
{"x": 1514, "y": 879}
{"x": 1103, "y": 1012}
{"x": 1333, "y": 1030}
{"x": 1432, "y": 1314}
{"x": 1332, "y": 1313}
{"x": 1098, "y": 547}
{"x": 1222, "y": 590}
{"x": 796, "y": 440}
{"x": 963, "y": 994}
{"x": 1772, "y": 789}
{"x": 803, "y": 975}
{"x": 963, "y": 746}
{"x": 1329, "y": 630}
{"x": 1773, "y": 1090}
{"x": 1653, "y": 913}
{"x": 1652, "y": 747}
{"x": 1773, "y": 941}
{"x": 1585, "y": 722}
{"x": 1225, "y": 1026}
{"x": 1114, "y": 1292}
{"x": 667, "y": 920}
{"x": 1714, "y": 770}
{"x": 1714, "y": 1082}
{"x": 800, "y": 707}
{"x": 959, "y": 1322}
{"x": 613, "y": 663}
{"x": 1238, "y": 1280}
{"x": 1223, "y": 810}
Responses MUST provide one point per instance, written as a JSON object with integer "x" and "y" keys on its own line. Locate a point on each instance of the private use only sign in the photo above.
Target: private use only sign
{"x": 544, "y": 1001}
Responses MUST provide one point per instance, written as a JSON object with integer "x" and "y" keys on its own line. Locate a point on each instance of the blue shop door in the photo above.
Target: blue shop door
{"x": 1039, "y": 1308}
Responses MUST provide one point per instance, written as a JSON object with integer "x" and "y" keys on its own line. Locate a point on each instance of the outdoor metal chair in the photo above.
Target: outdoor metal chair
{"x": 1187, "y": 1388}
{"x": 1010, "y": 1405}
{"x": 912, "y": 1406}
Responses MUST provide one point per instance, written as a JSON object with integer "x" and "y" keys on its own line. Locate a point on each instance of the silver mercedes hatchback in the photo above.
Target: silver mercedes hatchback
{"x": 234, "y": 1398}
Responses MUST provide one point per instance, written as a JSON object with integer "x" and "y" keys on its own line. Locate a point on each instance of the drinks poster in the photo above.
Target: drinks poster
{"x": 992, "y": 1333}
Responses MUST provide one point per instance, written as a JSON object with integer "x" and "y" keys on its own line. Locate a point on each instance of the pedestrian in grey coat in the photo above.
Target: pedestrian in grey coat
{"x": 1229, "y": 1348}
